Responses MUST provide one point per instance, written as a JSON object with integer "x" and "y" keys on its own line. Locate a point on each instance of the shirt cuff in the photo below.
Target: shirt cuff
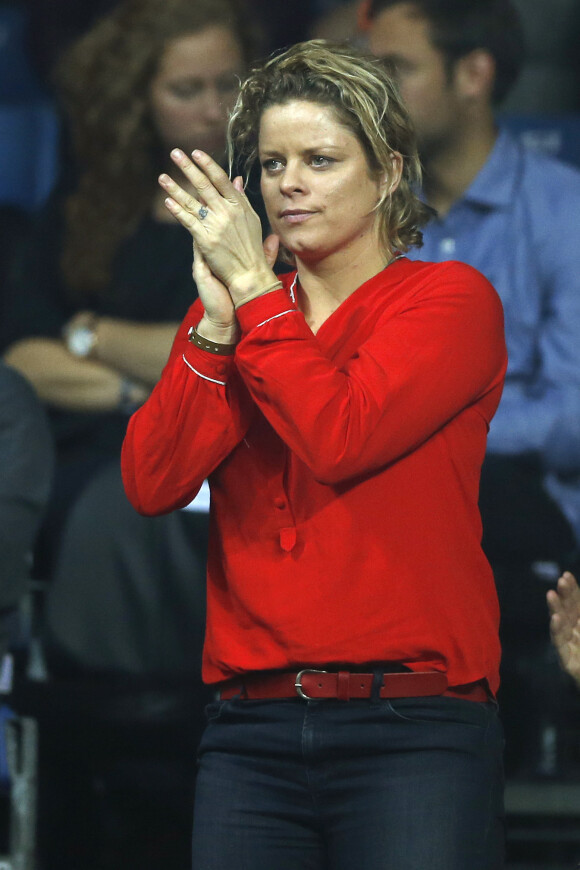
{"x": 264, "y": 308}
{"x": 211, "y": 366}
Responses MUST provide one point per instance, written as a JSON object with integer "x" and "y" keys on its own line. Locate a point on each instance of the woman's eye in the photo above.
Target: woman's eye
{"x": 271, "y": 165}
{"x": 320, "y": 160}
{"x": 186, "y": 90}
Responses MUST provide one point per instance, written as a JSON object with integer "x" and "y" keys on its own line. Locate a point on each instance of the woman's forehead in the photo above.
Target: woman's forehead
{"x": 303, "y": 118}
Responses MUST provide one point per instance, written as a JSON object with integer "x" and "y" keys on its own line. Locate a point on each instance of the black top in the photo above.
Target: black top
{"x": 151, "y": 283}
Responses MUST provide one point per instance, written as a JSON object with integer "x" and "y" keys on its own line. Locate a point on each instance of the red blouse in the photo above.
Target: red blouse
{"x": 344, "y": 471}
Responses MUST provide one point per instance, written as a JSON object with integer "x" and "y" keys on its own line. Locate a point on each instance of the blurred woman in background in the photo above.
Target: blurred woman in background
{"x": 97, "y": 297}
{"x": 91, "y": 312}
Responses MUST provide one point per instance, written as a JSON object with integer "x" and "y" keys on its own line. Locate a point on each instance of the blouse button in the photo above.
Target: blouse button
{"x": 288, "y": 538}
{"x": 280, "y": 503}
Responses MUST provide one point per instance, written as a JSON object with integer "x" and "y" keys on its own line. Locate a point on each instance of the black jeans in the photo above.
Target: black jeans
{"x": 407, "y": 784}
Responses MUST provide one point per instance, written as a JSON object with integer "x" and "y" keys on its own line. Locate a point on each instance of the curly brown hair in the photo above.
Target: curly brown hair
{"x": 104, "y": 81}
{"x": 365, "y": 99}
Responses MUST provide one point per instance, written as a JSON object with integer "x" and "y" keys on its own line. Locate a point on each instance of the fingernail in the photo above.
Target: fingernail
{"x": 197, "y": 154}
{"x": 176, "y": 153}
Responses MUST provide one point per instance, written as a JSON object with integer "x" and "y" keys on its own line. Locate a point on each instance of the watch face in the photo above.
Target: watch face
{"x": 81, "y": 341}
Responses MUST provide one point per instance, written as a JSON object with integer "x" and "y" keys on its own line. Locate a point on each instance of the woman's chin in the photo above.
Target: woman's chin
{"x": 300, "y": 249}
{"x": 309, "y": 254}
{"x": 303, "y": 246}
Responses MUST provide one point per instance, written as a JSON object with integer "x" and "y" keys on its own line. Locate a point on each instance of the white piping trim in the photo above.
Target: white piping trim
{"x": 199, "y": 374}
{"x": 275, "y": 317}
{"x": 292, "y": 288}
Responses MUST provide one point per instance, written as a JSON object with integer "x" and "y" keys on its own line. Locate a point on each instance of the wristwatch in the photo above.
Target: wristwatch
{"x": 81, "y": 339}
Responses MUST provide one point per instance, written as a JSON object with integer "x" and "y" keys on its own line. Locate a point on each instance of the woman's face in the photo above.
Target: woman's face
{"x": 194, "y": 89}
{"x": 318, "y": 190}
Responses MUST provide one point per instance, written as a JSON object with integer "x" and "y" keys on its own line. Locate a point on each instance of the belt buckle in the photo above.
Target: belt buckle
{"x": 298, "y": 682}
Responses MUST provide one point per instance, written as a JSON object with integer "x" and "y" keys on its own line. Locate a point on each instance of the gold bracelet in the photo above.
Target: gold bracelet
{"x": 211, "y": 346}
{"x": 277, "y": 285}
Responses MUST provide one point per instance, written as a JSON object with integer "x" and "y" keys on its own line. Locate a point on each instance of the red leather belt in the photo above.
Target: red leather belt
{"x": 312, "y": 684}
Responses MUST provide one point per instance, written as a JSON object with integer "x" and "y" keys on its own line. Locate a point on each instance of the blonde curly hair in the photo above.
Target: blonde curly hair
{"x": 365, "y": 99}
{"x": 104, "y": 81}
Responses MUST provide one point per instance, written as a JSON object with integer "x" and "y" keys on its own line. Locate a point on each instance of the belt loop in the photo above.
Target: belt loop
{"x": 343, "y": 686}
{"x": 377, "y": 685}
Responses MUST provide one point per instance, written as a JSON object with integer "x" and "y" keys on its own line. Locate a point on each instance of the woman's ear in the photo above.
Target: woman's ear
{"x": 391, "y": 179}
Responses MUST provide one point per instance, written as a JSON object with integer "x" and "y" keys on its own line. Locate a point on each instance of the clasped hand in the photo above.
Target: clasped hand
{"x": 230, "y": 261}
{"x": 564, "y": 605}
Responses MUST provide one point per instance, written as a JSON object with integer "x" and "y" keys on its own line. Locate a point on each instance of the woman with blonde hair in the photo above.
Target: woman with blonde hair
{"x": 340, "y": 415}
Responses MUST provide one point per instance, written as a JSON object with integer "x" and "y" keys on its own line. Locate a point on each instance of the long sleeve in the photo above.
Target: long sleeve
{"x": 428, "y": 345}
{"x": 430, "y": 355}
{"x": 194, "y": 417}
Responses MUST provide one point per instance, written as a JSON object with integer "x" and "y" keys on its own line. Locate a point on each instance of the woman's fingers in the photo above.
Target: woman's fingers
{"x": 183, "y": 213}
{"x": 238, "y": 185}
{"x": 225, "y": 227}
{"x": 189, "y": 211}
{"x": 211, "y": 191}
{"x": 216, "y": 175}
{"x": 208, "y": 178}
{"x": 181, "y": 196}
{"x": 271, "y": 245}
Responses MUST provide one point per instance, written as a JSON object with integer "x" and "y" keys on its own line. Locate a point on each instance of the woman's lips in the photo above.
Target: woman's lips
{"x": 296, "y": 217}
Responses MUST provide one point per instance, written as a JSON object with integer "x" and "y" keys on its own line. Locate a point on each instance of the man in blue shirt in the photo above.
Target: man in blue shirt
{"x": 513, "y": 214}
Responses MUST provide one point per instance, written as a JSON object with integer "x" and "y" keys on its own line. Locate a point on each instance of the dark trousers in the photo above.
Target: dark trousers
{"x": 331, "y": 785}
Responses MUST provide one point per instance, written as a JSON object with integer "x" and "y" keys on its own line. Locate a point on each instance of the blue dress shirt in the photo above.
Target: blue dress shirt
{"x": 519, "y": 224}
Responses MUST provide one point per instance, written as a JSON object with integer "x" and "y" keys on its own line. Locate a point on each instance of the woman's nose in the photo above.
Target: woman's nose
{"x": 292, "y": 179}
